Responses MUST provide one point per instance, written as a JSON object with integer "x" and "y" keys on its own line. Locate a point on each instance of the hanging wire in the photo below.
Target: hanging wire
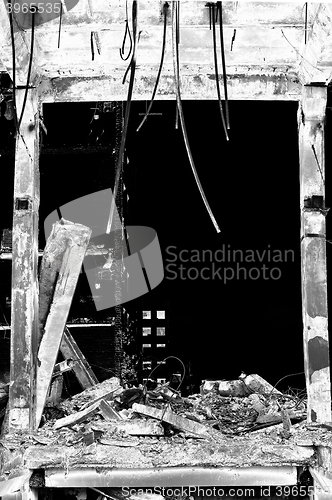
{"x": 165, "y": 10}
{"x": 60, "y": 25}
{"x": 127, "y": 33}
{"x": 177, "y": 22}
{"x": 224, "y": 74}
{"x": 119, "y": 166}
{"x": 306, "y": 23}
{"x": 92, "y": 46}
{"x": 216, "y": 69}
{"x": 33, "y": 11}
{"x": 183, "y": 125}
{"x": 13, "y": 62}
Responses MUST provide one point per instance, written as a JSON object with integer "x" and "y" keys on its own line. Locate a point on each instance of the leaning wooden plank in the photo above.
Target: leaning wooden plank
{"x": 49, "y": 271}
{"x": 76, "y": 418}
{"x": 76, "y": 238}
{"x": 83, "y": 371}
{"x": 169, "y": 417}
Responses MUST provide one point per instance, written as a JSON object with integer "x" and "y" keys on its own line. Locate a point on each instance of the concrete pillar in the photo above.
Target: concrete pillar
{"x": 24, "y": 314}
{"x": 311, "y": 118}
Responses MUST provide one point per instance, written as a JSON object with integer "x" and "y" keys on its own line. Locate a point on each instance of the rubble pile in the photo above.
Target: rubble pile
{"x": 109, "y": 413}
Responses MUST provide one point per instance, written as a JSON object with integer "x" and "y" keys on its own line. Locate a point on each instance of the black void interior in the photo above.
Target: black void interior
{"x": 252, "y": 322}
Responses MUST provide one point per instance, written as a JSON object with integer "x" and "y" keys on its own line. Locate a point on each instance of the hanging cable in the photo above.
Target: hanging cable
{"x": 224, "y": 74}
{"x": 183, "y": 126}
{"x": 165, "y": 10}
{"x": 177, "y": 22}
{"x": 212, "y": 13}
{"x": 60, "y": 25}
{"x": 119, "y": 165}
{"x": 13, "y": 62}
{"x": 127, "y": 33}
{"x": 306, "y": 23}
{"x": 92, "y": 46}
{"x": 33, "y": 10}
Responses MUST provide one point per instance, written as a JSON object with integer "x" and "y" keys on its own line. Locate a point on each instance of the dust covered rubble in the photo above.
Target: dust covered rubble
{"x": 108, "y": 413}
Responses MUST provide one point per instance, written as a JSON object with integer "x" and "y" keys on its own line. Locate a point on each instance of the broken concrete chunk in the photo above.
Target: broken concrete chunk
{"x": 234, "y": 388}
{"x": 123, "y": 443}
{"x": 256, "y": 402}
{"x": 169, "y": 417}
{"x": 257, "y": 384}
{"x": 107, "y": 411}
{"x": 108, "y": 389}
{"x": 208, "y": 386}
{"x": 76, "y": 418}
{"x": 126, "y": 414}
{"x": 286, "y": 424}
{"x": 139, "y": 427}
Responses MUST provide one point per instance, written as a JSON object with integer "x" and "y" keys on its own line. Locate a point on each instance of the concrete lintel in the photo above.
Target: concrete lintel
{"x": 171, "y": 476}
{"x": 197, "y": 83}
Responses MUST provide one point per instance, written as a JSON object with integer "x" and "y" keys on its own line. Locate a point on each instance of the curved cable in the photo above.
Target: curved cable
{"x": 127, "y": 33}
{"x": 132, "y": 67}
{"x": 165, "y": 9}
{"x": 183, "y": 126}
{"x": 224, "y": 74}
{"x": 216, "y": 70}
{"x": 33, "y": 12}
{"x": 13, "y": 62}
{"x": 157, "y": 366}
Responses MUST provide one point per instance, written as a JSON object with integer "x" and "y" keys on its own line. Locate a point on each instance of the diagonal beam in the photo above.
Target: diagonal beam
{"x": 73, "y": 239}
{"x": 22, "y": 40}
{"x": 83, "y": 371}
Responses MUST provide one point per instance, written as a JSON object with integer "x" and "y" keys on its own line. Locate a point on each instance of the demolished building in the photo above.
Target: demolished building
{"x": 106, "y": 438}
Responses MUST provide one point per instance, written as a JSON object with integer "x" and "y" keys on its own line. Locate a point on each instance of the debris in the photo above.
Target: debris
{"x": 108, "y": 389}
{"x": 286, "y": 424}
{"x": 169, "y": 417}
{"x": 256, "y": 402}
{"x": 125, "y": 443}
{"x": 208, "y": 386}
{"x": 139, "y": 427}
{"x": 78, "y": 417}
{"x": 257, "y": 384}
{"x": 108, "y": 412}
{"x": 126, "y": 414}
{"x": 234, "y": 388}
{"x": 42, "y": 440}
{"x": 130, "y": 396}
